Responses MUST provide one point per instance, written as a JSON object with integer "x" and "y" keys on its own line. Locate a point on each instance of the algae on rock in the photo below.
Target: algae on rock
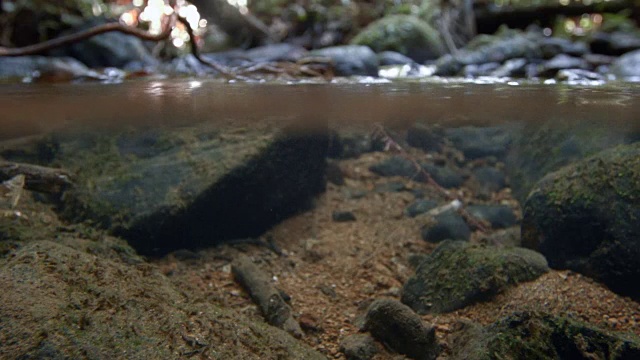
{"x": 458, "y": 274}
{"x": 533, "y": 335}
{"x": 405, "y": 34}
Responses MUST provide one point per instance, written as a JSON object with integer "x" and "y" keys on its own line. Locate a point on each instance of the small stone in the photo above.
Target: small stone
{"x": 449, "y": 225}
{"x": 358, "y": 347}
{"x": 401, "y": 329}
{"x": 343, "y": 216}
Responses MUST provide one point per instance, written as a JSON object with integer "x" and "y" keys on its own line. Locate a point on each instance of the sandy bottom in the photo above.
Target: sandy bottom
{"x": 331, "y": 269}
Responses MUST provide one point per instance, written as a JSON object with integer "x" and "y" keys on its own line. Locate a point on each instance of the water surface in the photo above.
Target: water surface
{"x": 34, "y": 108}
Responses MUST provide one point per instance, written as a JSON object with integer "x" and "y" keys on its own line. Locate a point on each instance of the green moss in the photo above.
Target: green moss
{"x": 534, "y": 335}
{"x": 457, "y": 274}
{"x": 402, "y": 33}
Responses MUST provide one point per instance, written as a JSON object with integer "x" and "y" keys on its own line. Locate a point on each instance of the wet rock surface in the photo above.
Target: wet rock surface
{"x": 458, "y": 274}
{"x": 351, "y": 60}
{"x": 111, "y": 49}
{"x": 584, "y": 217}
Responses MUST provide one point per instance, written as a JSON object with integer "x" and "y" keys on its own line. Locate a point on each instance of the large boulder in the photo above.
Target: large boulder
{"x": 585, "y": 217}
{"x": 190, "y": 187}
{"x": 540, "y": 148}
{"x": 406, "y": 34}
{"x": 111, "y": 49}
{"x": 532, "y": 335}
{"x": 458, "y": 274}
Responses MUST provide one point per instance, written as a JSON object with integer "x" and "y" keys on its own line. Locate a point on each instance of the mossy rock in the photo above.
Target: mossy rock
{"x": 586, "y": 217}
{"x": 60, "y": 301}
{"x": 190, "y": 187}
{"x": 539, "y": 149}
{"x": 406, "y": 34}
{"x": 532, "y": 335}
{"x": 459, "y": 273}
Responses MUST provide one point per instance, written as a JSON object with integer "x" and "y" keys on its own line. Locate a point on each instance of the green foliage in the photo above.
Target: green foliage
{"x": 29, "y": 21}
{"x": 618, "y": 22}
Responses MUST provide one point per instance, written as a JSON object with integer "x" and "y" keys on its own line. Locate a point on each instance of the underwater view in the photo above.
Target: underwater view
{"x": 319, "y": 180}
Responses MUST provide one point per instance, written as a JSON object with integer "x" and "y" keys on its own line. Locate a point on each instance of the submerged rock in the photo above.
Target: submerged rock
{"x": 539, "y": 149}
{"x": 449, "y": 225}
{"x": 358, "y": 347}
{"x": 489, "y": 179}
{"x": 406, "y": 34}
{"x": 420, "y": 206}
{"x": 533, "y": 335}
{"x": 192, "y": 187}
{"x": 397, "y": 326}
{"x": 396, "y": 166}
{"x": 499, "y": 216}
{"x": 61, "y": 302}
{"x": 458, "y": 274}
{"x": 584, "y": 217}
{"x": 477, "y": 142}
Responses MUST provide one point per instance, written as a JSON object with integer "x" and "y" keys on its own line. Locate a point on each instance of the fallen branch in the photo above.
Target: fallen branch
{"x": 85, "y": 34}
{"x": 273, "y": 307}
{"x": 195, "y": 51}
{"x": 168, "y": 25}
{"x": 37, "y": 178}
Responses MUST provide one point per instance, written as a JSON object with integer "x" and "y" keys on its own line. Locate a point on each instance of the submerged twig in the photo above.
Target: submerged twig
{"x": 273, "y": 307}
{"x": 456, "y": 203}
